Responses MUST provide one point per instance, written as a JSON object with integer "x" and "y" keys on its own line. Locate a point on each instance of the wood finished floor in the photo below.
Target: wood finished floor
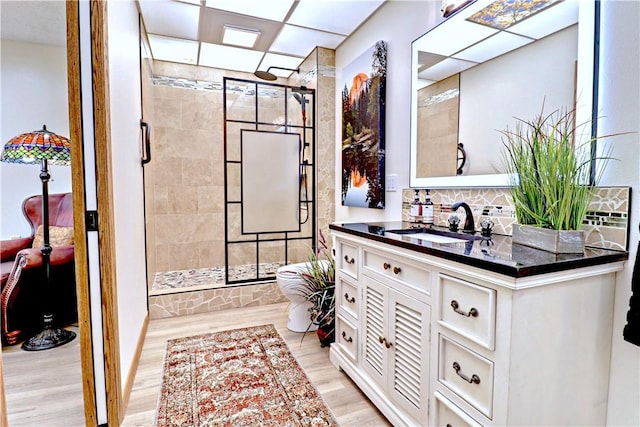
{"x": 44, "y": 388}
{"x": 348, "y": 404}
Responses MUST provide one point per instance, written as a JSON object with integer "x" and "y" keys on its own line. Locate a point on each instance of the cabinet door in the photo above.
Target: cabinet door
{"x": 408, "y": 380}
{"x": 375, "y": 355}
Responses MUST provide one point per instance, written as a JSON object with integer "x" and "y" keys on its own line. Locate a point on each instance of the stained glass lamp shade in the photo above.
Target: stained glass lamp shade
{"x": 31, "y": 147}
{"x": 44, "y": 148}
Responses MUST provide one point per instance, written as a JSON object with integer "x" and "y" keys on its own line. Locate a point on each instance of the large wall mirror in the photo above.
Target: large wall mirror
{"x": 482, "y": 67}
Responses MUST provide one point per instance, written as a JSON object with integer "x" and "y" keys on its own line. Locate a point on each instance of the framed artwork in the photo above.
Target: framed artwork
{"x": 363, "y": 127}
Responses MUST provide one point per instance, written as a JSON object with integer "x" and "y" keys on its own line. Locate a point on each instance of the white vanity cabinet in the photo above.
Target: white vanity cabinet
{"x": 436, "y": 342}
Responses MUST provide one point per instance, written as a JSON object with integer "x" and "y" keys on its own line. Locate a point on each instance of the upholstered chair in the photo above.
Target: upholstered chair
{"x": 22, "y": 272}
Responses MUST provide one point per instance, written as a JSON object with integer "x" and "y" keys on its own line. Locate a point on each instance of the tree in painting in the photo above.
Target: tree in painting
{"x": 363, "y": 104}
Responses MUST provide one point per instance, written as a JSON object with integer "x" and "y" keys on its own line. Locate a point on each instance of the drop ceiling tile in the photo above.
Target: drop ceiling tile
{"x": 229, "y": 58}
{"x": 171, "y": 18}
{"x": 336, "y": 16}
{"x": 174, "y": 50}
{"x": 301, "y": 41}
{"x": 275, "y": 10}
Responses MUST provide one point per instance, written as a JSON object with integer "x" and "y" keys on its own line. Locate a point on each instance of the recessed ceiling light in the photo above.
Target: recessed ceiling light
{"x": 239, "y": 36}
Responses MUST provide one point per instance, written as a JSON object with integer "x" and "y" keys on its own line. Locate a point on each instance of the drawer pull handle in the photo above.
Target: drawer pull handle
{"x": 396, "y": 270}
{"x": 384, "y": 341}
{"x": 349, "y": 300}
{"x": 456, "y": 307}
{"x": 344, "y": 336}
{"x": 474, "y": 378}
{"x": 349, "y": 261}
{"x": 386, "y": 266}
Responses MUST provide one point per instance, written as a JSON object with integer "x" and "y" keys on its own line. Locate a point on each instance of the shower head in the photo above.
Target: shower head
{"x": 300, "y": 98}
{"x": 267, "y": 75}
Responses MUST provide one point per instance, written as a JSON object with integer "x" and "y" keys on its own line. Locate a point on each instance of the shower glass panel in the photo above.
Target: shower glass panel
{"x": 269, "y": 178}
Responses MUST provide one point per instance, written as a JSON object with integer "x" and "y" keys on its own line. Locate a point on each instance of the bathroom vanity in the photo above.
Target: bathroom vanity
{"x": 463, "y": 330}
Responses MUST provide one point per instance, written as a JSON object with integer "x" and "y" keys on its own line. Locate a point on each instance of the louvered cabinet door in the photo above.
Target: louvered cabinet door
{"x": 375, "y": 355}
{"x": 408, "y": 378}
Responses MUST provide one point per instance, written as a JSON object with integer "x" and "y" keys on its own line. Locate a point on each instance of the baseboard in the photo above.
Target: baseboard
{"x": 128, "y": 386}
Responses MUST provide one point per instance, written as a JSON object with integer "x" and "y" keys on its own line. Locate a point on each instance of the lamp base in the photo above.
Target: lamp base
{"x": 49, "y": 337}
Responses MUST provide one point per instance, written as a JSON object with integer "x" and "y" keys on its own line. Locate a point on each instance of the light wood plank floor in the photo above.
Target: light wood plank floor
{"x": 44, "y": 388}
{"x": 348, "y": 404}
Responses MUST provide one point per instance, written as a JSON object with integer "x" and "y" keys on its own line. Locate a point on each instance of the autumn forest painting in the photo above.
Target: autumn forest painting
{"x": 363, "y": 112}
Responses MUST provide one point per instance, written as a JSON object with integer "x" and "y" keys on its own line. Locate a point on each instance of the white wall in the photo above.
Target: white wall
{"x": 124, "y": 81}
{"x": 34, "y": 92}
{"x": 620, "y": 112}
{"x": 398, "y": 23}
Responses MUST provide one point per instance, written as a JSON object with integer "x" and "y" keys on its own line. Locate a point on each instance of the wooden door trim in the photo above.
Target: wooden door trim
{"x": 79, "y": 208}
{"x": 104, "y": 190}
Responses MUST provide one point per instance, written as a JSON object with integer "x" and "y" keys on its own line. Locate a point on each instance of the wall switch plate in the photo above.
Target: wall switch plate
{"x": 392, "y": 182}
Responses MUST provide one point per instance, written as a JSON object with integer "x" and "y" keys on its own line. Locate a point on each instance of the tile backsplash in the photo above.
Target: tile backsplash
{"x": 606, "y": 223}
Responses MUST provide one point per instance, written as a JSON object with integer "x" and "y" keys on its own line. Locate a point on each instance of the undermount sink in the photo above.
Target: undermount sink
{"x": 435, "y": 236}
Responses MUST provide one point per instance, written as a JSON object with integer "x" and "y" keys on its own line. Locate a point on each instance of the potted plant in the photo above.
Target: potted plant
{"x": 551, "y": 180}
{"x": 319, "y": 289}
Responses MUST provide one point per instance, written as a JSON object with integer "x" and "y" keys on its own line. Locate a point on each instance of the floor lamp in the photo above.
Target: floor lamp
{"x": 45, "y": 148}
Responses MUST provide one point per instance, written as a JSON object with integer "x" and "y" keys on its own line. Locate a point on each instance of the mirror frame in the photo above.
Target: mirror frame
{"x": 586, "y": 86}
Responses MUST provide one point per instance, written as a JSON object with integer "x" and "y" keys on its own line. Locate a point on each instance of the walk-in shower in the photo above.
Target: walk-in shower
{"x": 269, "y": 159}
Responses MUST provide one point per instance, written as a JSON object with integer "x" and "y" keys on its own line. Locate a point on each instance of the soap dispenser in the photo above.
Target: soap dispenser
{"x": 427, "y": 209}
{"x": 416, "y": 208}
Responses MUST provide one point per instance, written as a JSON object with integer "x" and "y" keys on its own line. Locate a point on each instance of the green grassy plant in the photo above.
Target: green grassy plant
{"x": 551, "y": 170}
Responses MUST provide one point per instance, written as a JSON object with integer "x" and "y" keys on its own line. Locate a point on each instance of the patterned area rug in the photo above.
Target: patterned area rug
{"x": 241, "y": 377}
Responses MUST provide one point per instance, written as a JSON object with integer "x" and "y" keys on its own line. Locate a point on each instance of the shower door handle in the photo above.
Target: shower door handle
{"x": 146, "y": 142}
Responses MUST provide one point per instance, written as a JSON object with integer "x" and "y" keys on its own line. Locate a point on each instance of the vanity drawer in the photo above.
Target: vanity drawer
{"x": 406, "y": 273}
{"x": 448, "y": 414}
{"x": 467, "y": 374}
{"x": 348, "y": 299}
{"x": 468, "y": 309}
{"x": 348, "y": 261}
{"x": 347, "y": 337}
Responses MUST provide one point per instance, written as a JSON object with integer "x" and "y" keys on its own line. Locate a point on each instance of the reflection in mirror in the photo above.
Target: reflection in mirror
{"x": 503, "y": 70}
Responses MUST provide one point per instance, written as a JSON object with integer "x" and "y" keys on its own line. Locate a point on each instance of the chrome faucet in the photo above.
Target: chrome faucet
{"x": 469, "y": 225}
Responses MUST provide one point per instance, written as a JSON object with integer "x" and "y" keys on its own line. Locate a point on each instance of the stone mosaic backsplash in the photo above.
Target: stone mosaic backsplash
{"x": 606, "y": 223}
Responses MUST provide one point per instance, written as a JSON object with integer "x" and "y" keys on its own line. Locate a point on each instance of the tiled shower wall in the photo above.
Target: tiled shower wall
{"x": 185, "y": 181}
{"x": 606, "y": 222}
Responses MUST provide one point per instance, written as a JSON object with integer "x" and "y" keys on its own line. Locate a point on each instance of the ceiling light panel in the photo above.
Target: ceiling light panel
{"x": 229, "y": 58}
{"x": 275, "y": 10}
{"x": 445, "y": 69}
{"x": 340, "y": 17}
{"x": 174, "y": 50}
{"x": 301, "y": 41}
{"x": 336, "y": 16}
{"x": 171, "y": 18}
{"x": 239, "y": 36}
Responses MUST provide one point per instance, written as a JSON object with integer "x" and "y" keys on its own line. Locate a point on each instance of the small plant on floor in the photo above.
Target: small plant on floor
{"x": 319, "y": 290}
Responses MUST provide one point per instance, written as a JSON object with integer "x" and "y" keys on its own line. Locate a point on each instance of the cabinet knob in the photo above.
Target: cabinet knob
{"x": 384, "y": 341}
{"x": 349, "y": 260}
{"x": 474, "y": 378}
{"x": 396, "y": 270}
{"x": 349, "y": 300}
{"x": 386, "y": 266}
{"x": 344, "y": 337}
{"x": 456, "y": 307}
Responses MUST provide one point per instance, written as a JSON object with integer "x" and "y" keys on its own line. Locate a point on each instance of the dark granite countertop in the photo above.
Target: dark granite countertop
{"x": 495, "y": 253}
